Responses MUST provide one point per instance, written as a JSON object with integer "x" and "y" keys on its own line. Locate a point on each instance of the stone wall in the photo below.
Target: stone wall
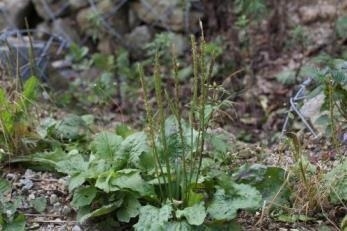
{"x": 105, "y": 24}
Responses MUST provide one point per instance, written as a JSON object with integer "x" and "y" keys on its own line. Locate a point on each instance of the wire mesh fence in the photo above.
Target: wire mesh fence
{"x": 115, "y": 20}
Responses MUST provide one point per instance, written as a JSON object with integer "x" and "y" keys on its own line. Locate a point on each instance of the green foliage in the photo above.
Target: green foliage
{"x": 268, "y": 180}
{"x": 39, "y": 204}
{"x": 250, "y": 8}
{"x": 14, "y": 123}
{"x": 226, "y": 203}
{"x": 152, "y": 218}
{"x": 10, "y": 219}
{"x": 336, "y": 182}
{"x": 341, "y": 27}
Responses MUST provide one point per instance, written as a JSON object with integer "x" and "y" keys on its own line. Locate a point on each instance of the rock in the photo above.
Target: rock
{"x": 29, "y": 173}
{"x": 105, "y": 45}
{"x": 3, "y": 16}
{"x": 53, "y": 199}
{"x": 312, "y": 13}
{"x": 9, "y": 60}
{"x": 179, "y": 44}
{"x": 139, "y": 37}
{"x": 62, "y": 228}
{"x": 57, "y": 207}
{"x": 66, "y": 210}
{"x": 78, "y": 4}
{"x": 76, "y": 228}
{"x": 92, "y": 21}
{"x": 11, "y": 177}
{"x": 66, "y": 29}
{"x": 312, "y": 110}
{"x": 17, "y": 10}
{"x": 167, "y": 14}
{"x": 42, "y": 30}
{"x": 26, "y": 184}
{"x": 50, "y": 9}
{"x": 31, "y": 196}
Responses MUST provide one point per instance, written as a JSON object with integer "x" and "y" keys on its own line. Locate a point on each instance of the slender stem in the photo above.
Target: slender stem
{"x": 158, "y": 166}
{"x": 159, "y": 98}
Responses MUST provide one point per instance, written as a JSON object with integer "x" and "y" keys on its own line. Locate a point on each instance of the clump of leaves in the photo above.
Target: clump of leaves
{"x": 15, "y": 126}
{"x": 333, "y": 81}
{"x": 10, "y": 218}
{"x": 163, "y": 176}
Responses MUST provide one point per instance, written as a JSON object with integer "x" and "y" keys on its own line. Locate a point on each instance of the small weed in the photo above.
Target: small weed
{"x": 15, "y": 126}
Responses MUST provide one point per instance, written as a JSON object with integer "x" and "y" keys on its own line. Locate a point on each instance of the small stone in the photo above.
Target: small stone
{"x": 56, "y": 206}
{"x": 76, "y": 228}
{"x": 11, "y": 177}
{"x": 53, "y": 199}
{"x": 31, "y": 196}
{"x": 78, "y": 4}
{"x": 26, "y": 183}
{"x": 62, "y": 228}
{"x": 29, "y": 173}
{"x": 66, "y": 210}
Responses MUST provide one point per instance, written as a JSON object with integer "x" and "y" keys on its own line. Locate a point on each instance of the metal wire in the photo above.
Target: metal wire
{"x": 300, "y": 95}
{"x": 41, "y": 61}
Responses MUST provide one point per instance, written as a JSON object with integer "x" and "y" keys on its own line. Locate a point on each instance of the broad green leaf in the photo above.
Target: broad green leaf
{"x": 130, "y": 209}
{"x": 72, "y": 164}
{"x": 88, "y": 119}
{"x": 268, "y": 180}
{"x": 77, "y": 180}
{"x": 336, "y": 181}
{"x": 195, "y": 215}
{"x": 195, "y": 198}
{"x": 71, "y": 128}
{"x": 106, "y": 144}
{"x": 225, "y": 207}
{"x": 39, "y": 204}
{"x": 45, "y": 125}
{"x": 135, "y": 148}
{"x": 18, "y": 224}
{"x": 42, "y": 161}
{"x": 103, "y": 210}
{"x": 83, "y": 196}
{"x": 179, "y": 226}
{"x": 152, "y": 218}
{"x": 5, "y": 187}
{"x": 126, "y": 179}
